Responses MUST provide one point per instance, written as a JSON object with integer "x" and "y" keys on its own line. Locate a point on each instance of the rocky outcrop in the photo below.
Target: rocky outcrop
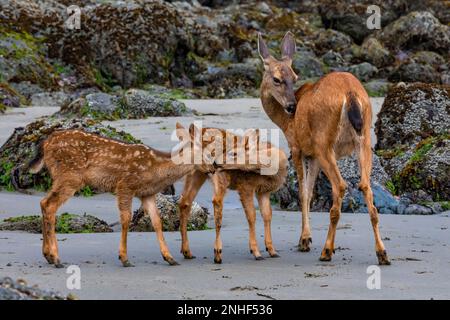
{"x": 20, "y": 290}
{"x": 133, "y": 104}
{"x": 413, "y": 139}
{"x": 20, "y": 148}
{"x": 170, "y": 216}
{"x": 65, "y": 223}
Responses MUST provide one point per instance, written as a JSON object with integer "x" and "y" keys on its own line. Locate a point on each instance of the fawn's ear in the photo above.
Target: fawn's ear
{"x": 262, "y": 48}
{"x": 180, "y": 131}
{"x": 288, "y": 46}
{"x": 194, "y": 131}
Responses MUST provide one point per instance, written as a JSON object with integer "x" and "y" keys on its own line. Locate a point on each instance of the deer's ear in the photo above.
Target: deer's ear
{"x": 262, "y": 48}
{"x": 288, "y": 46}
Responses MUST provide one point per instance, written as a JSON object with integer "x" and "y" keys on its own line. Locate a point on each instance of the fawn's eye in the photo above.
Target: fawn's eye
{"x": 276, "y": 81}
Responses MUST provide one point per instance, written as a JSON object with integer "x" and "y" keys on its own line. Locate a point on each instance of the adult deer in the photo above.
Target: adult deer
{"x": 322, "y": 122}
{"x": 248, "y": 181}
{"x": 76, "y": 158}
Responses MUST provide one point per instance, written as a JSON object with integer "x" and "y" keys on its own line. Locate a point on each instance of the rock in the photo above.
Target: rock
{"x": 22, "y": 58}
{"x": 140, "y": 104}
{"x": 307, "y": 65}
{"x": 49, "y": 99}
{"x": 287, "y": 196}
{"x": 377, "y": 87}
{"x": 413, "y": 139}
{"x": 423, "y": 66}
{"x": 9, "y": 98}
{"x": 332, "y": 40}
{"x": 21, "y": 146}
{"x": 19, "y": 290}
{"x": 413, "y": 112}
{"x": 65, "y": 223}
{"x": 26, "y": 88}
{"x": 170, "y": 216}
{"x": 418, "y": 209}
{"x": 333, "y": 59}
{"x": 404, "y": 32}
{"x": 133, "y": 104}
{"x": 375, "y": 53}
{"x": 363, "y": 71}
{"x": 350, "y": 17}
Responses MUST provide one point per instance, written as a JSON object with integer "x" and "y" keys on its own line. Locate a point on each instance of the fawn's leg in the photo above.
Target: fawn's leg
{"x": 266, "y": 213}
{"x": 124, "y": 202}
{"x": 329, "y": 166}
{"x": 250, "y": 212}
{"x": 192, "y": 184}
{"x": 59, "y": 194}
{"x": 150, "y": 208}
{"x": 365, "y": 164}
{"x": 220, "y": 188}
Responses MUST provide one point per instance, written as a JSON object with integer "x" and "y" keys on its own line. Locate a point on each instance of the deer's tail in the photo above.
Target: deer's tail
{"x": 354, "y": 112}
{"x": 34, "y": 166}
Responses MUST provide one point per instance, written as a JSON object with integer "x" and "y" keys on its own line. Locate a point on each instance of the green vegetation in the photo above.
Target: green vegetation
{"x": 87, "y": 191}
{"x": 391, "y": 187}
{"x": 5, "y": 177}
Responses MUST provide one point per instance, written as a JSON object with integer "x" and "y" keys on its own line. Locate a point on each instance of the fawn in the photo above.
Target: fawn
{"x": 75, "y": 159}
{"x": 247, "y": 182}
{"x": 322, "y": 122}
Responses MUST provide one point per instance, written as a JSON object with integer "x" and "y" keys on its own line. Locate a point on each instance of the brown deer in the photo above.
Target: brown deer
{"x": 75, "y": 159}
{"x": 322, "y": 122}
{"x": 247, "y": 182}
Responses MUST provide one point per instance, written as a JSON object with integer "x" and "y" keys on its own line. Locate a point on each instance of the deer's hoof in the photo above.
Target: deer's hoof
{"x": 274, "y": 255}
{"x": 326, "y": 255}
{"x": 188, "y": 255}
{"x": 259, "y": 258}
{"x": 383, "y": 259}
{"x": 127, "y": 264}
{"x": 171, "y": 261}
{"x": 217, "y": 260}
{"x": 303, "y": 245}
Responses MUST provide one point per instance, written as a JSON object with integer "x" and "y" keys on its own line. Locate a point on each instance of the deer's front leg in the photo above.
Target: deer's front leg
{"x": 149, "y": 206}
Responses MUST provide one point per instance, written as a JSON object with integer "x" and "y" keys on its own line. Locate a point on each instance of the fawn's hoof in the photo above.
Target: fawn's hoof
{"x": 274, "y": 255}
{"x": 127, "y": 264}
{"x": 171, "y": 261}
{"x": 383, "y": 258}
{"x": 259, "y": 258}
{"x": 326, "y": 255}
{"x": 303, "y": 244}
{"x": 217, "y": 260}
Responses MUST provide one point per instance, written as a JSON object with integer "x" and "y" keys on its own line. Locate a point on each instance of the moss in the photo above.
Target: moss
{"x": 391, "y": 187}
{"x": 5, "y": 178}
{"x": 391, "y": 153}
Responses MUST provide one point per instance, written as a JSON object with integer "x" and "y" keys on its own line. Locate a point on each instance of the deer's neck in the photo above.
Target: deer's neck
{"x": 275, "y": 111}
{"x": 170, "y": 172}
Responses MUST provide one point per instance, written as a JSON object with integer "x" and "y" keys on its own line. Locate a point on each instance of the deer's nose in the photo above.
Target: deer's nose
{"x": 291, "y": 107}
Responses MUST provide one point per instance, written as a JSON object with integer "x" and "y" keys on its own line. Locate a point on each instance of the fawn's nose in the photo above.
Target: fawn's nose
{"x": 291, "y": 107}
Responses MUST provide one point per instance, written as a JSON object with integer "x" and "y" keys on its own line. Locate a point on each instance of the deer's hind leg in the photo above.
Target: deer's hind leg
{"x": 124, "y": 202}
{"x": 266, "y": 213}
{"x": 365, "y": 165}
{"x": 329, "y": 166}
{"x": 149, "y": 206}
{"x": 246, "y": 196}
{"x": 192, "y": 185}
{"x": 60, "y": 192}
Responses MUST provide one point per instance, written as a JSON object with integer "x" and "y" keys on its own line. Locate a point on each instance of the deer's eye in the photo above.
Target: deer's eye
{"x": 276, "y": 81}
